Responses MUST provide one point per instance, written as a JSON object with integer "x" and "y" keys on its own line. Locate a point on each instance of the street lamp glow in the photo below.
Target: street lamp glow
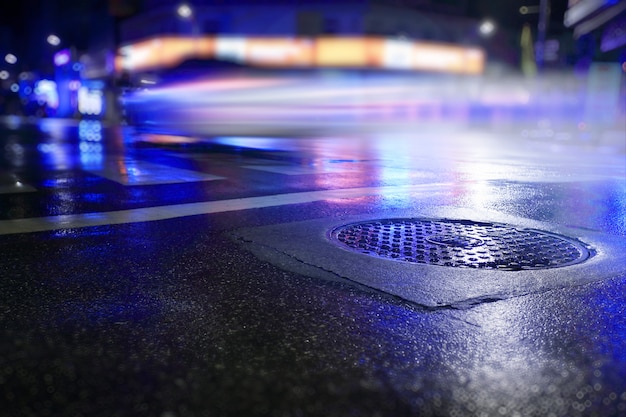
{"x": 54, "y": 40}
{"x": 487, "y": 27}
{"x": 184, "y": 11}
{"x": 10, "y": 58}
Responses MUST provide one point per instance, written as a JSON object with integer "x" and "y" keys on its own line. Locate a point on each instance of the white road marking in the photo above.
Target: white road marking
{"x": 70, "y": 221}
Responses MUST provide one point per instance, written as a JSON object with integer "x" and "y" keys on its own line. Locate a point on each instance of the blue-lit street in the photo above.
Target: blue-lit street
{"x": 142, "y": 276}
{"x": 310, "y": 208}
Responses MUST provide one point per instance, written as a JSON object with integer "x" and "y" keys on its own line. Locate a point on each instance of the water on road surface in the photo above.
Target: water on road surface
{"x": 192, "y": 272}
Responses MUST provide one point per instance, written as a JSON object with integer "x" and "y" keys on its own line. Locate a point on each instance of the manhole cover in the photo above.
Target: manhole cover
{"x": 460, "y": 243}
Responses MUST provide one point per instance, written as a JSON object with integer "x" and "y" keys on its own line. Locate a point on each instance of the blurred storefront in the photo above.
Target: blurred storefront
{"x": 346, "y": 34}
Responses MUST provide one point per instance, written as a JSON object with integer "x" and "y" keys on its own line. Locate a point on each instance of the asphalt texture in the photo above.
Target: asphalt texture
{"x": 236, "y": 312}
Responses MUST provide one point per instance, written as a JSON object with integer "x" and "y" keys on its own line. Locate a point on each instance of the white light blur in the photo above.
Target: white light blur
{"x": 184, "y": 11}
{"x": 10, "y": 59}
{"x": 487, "y": 27}
{"x": 4, "y": 75}
{"x": 90, "y": 102}
{"x": 47, "y": 89}
{"x": 53, "y": 40}
{"x": 61, "y": 58}
{"x": 231, "y": 48}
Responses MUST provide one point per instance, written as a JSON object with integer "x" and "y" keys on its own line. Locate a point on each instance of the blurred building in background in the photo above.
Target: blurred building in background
{"x": 415, "y": 19}
{"x": 66, "y": 58}
{"x": 417, "y": 34}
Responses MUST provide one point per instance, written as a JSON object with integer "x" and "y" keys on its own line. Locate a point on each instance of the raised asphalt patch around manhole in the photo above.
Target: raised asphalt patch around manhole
{"x": 571, "y": 256}
{"x": 460, "y": 243}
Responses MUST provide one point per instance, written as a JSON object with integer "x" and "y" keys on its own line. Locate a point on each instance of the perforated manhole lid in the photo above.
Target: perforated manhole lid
{"x": 460, "y": 243}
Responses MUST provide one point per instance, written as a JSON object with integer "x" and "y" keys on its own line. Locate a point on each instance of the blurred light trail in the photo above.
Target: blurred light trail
{"x": 261, "y": 101}
{"x": 269, "y": 102}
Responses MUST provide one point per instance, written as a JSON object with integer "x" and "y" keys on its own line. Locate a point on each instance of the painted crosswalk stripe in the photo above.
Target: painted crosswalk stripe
{"x": 69, "y": 221}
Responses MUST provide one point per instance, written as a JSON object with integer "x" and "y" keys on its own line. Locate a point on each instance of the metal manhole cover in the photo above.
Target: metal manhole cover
{"x": 460, "y": 243}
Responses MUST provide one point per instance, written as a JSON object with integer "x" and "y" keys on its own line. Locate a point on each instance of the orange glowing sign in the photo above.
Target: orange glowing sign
{"x": 447, "y": 58}
{"x": 279, "y": 52}
{"x": 337, "y": 52}
{"x": 341, "y": 52}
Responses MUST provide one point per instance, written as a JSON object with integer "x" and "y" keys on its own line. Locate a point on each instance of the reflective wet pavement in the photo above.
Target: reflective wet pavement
{"x": 204, "y": 282}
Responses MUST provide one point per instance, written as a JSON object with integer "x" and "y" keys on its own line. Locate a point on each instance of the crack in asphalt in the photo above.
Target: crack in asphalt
{"x": 455, "y": 306}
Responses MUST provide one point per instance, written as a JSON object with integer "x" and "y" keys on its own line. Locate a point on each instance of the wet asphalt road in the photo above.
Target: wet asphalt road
{"x": 204, "y": 282}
